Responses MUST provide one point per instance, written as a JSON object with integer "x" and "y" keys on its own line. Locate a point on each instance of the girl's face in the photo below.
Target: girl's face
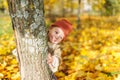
{"x": 56, "y": 35}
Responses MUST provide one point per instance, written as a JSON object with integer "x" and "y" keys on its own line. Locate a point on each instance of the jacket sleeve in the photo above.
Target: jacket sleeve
{"x": 56, "y": 60}
{"x": 54, "y": 65}
{"x": 57, "y": 53}
{"x": 14, "y": 52}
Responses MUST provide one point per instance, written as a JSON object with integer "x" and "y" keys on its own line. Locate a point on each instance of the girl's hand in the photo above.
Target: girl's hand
{"x": 50, "y": 58}
{"x": 53, "y": 62}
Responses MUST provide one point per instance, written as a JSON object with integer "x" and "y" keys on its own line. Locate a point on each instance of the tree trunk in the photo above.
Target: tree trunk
{"x": 29, "y": 27}
{"x": 63, "y": 9}
{"x": 78, "y": 26}
{"x": 71, "y": 5}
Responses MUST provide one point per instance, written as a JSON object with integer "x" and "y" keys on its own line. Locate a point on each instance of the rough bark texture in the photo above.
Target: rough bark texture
{"x": 29, "y": 27}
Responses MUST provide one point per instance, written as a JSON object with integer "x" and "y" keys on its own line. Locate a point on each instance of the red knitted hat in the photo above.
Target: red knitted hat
{"x": 64, "y": 25}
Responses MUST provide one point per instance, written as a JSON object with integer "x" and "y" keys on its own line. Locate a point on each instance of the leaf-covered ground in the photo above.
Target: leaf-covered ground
{"x": 91, "y": 52}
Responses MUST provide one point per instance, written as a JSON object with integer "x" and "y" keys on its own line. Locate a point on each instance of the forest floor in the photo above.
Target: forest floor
{"x": 91, "y": 52}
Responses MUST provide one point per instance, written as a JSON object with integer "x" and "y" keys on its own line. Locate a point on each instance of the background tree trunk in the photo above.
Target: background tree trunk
{"x": 71, "y": 5}
{"x": 78, "y": 21}
{"x": 30, "y": 32}
{"x": 63, "y": 9}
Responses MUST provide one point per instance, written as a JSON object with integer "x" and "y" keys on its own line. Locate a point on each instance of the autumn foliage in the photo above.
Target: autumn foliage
{"x": 91, "y": 52}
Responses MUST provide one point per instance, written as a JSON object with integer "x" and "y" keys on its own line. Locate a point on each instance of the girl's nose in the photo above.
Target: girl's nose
{"x": 57, "y": 37}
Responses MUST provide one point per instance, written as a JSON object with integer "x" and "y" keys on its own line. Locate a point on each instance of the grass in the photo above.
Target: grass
{"x": 5, "y": 24}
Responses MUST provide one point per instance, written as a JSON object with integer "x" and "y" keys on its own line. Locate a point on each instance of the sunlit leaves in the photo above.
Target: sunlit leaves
{"x": 7, "y": 44}
{"x": 8, "y": 64}
{"x": 89, "y": 53}
{"x": 9, "y": 68}
{"x": 92, "y": 53}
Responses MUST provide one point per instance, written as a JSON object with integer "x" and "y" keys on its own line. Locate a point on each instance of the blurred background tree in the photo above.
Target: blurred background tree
{"x": 66, "y": 8}
{"x": 3, "y": 6}
{"x": 112, "y": 7}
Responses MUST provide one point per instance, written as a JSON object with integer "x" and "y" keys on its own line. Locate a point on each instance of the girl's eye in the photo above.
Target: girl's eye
{"x": 61, "y": 38}
{"x": 56, "y": 32}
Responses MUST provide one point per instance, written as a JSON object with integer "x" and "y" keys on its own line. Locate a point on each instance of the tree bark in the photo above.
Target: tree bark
{"x": 31, "y": 37}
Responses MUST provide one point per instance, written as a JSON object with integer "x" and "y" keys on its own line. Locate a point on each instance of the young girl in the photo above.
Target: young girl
{"x": 57, "y": 32}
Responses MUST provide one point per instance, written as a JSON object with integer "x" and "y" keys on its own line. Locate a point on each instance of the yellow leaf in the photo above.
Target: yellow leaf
{"x": 1, "y": 75}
